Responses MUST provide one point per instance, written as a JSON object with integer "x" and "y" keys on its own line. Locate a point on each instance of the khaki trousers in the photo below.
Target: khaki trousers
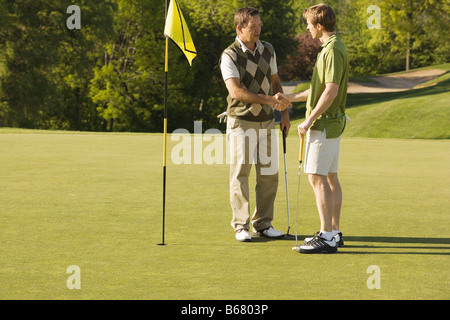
{"x": 252, "y": 143}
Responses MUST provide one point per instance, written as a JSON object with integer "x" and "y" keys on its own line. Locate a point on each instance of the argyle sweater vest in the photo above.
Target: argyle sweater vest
{"x": 256, "y": 76}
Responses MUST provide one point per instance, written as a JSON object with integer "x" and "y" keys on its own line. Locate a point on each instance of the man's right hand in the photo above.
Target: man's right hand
{"x": 281, "y": 103}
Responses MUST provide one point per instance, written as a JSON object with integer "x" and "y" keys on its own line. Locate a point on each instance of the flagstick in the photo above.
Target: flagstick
{"x": 165, "y": 144}
{"x": 175, "y": 28}
{"x": 166, "y": 69}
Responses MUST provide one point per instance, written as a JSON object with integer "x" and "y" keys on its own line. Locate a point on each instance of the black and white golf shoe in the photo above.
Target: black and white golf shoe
{"x": 338, "y": 237}
{"x": 339, "y": 240}
{"x": 319, "y": 245}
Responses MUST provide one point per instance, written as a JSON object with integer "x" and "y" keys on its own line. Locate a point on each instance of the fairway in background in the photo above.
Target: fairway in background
{"x": 419, "y": 114}
{"x": 422, "y": 113}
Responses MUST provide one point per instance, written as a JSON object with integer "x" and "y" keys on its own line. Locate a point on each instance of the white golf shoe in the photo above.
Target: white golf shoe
{"x": 269, "y": 233}
{"x": 243, "y": 235}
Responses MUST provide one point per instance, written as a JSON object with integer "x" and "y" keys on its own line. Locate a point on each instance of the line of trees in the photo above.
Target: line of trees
{"x": 109, "y": 75}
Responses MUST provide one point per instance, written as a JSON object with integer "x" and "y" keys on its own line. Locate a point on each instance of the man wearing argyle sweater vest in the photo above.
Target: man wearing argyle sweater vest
{"x": 249, "y": 70}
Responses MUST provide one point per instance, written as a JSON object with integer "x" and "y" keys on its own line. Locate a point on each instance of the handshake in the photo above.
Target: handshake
{"x": 280, "y": 102}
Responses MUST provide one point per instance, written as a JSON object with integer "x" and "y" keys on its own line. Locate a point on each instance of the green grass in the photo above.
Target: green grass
{"x": 94, "y": 200}
{"x": 422, "y": 113}
{"x": 302, "y": 86}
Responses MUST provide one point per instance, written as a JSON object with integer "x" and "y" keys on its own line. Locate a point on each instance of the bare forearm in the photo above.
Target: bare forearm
{"x": 276, "y": 85}
{"x": 246, "y": 96}
{"x": 325, "y": 101}
{"x": 239, "y": 92}
{"x": 298, "y": 96}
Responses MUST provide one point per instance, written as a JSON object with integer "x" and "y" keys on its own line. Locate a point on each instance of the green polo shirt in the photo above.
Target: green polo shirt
{"x": 331, "y": 66}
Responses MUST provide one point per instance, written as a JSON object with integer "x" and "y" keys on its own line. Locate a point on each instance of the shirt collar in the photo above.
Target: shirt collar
{"x": 331, "y": 38}
{"x": 259, "y": 46}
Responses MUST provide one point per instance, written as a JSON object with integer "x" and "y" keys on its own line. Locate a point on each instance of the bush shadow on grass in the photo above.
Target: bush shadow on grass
{"x": 402, "y": 243}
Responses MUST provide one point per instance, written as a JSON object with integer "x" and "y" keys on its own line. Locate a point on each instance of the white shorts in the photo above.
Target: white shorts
{"x": 322, "y": 154}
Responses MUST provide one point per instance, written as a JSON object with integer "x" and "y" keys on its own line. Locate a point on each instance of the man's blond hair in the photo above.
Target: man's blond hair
{"x": 323, "y": 14}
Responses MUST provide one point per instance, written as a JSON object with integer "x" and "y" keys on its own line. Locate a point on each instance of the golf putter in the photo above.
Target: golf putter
{"x": 300, "y": 163}
{"x": 287, "y": 191}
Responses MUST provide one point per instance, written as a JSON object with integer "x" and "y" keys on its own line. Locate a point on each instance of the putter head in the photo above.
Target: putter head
{"x": 296, "y": 248}
{"x": 289, "y": 236}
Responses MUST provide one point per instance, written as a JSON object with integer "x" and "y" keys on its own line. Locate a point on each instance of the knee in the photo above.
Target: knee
{"x": 317, "y": 180}
{"x": 333, "y": 179}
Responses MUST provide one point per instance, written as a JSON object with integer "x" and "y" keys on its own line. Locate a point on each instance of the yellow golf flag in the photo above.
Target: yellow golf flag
{"x": 177, "y": 30}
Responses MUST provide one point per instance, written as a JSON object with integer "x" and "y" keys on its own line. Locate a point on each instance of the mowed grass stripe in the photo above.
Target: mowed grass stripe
{"x": 95, "y": 200}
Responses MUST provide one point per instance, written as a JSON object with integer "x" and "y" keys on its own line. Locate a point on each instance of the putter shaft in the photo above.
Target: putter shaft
{"x": 300, "y": 161}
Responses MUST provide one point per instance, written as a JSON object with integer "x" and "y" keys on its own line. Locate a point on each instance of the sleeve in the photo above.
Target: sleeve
{"x": 228, "y": 68}
{"x": 334, "y": 66}
{"x": 273, "y": 64}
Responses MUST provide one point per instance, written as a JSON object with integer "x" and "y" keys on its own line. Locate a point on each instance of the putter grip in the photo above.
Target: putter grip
{"x": 284, "y": 140}
{"x": 300, "y": 156}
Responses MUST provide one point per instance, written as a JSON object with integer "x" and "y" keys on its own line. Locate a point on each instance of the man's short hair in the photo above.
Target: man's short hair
{"x": 323, "y": 14}
{"x": 242, "y": 16}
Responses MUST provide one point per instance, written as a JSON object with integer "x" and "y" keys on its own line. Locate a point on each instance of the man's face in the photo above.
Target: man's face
{"x": 315, "y": 32}
{"x": 252, "y": 31}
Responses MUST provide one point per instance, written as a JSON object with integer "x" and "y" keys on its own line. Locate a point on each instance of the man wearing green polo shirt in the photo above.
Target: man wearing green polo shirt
{"x": 323, "y": 126}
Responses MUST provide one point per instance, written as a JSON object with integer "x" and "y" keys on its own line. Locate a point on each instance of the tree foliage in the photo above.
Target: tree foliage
{"x": 109, "y": 75}
{"x": 48, "y": 66}
{"x": 300, "y": 64}
{"x": 411, "y": 34}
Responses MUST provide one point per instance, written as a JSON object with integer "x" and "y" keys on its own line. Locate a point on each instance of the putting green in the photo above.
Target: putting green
{"x": 95, "y": 201}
